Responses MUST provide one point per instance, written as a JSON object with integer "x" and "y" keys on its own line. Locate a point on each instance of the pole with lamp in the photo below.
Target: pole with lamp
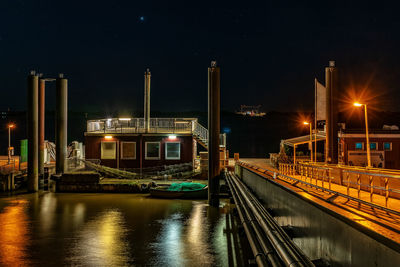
{"x": 10, "y": 126}
{"x": 311, "y": 140}
{"x": 356, "y": 104}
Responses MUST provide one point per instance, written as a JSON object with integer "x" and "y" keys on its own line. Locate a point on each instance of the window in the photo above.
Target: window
{"x": 108, "y": 150}
{"x": 128, "y": 150}
{"x": 373, "y": 146}
{"x": 152, "y": 150}
{"x": 360, "y": 146}
{"x": 172, "y": 150}
{"x": 387, "y": 146}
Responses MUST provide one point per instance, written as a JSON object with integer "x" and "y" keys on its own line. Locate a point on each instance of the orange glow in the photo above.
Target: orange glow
{"x": 14, "y": 235}
{"x": 11, "y": 125}
{"x": 108, "y": 137}
{"x": 356, "y": 104}
{"x": 306, "y": 123}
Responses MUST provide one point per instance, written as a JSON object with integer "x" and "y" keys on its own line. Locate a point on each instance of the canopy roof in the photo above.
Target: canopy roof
{"x": 303, "y": 139}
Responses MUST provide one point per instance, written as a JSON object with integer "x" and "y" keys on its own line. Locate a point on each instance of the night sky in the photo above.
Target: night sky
{"x": 268, "y": 54}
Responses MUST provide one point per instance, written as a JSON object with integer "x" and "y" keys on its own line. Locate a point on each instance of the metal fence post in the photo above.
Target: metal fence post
{"x": 371, "y": 187}
{"x": 386, "y": 191}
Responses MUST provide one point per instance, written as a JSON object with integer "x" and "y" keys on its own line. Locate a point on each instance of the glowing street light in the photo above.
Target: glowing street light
{"x": 10, "y": 126}
{"x": 308, "y": 123}
{"x": 356, "y": 104}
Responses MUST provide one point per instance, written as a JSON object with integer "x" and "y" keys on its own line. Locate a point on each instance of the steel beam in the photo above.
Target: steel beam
{"x": 147, "y": 78}
{"x": 61, "y": 123}
{"x": 213, "y": 134}
{"x": 42, "y": 85}
{"x": 33, "y": 131}
{"x": 331, "y": 83}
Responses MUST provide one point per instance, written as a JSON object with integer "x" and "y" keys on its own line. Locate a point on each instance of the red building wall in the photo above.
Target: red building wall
{"x": 392, "y": 158}
{"x": 93, "y": 150}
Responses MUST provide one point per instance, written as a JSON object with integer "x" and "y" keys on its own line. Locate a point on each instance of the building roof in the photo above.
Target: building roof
{"x": 303, "y": 139}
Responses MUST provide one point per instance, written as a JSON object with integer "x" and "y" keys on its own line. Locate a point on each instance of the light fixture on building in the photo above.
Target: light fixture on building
{"x": 172, "y": 137}
{"x": 124, "y": 119}
{"x": 108, "y": 137}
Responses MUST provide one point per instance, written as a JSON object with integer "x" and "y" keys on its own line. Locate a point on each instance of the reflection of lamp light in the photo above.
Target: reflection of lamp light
{"x": 172, "y": 137}
{"x": 108, "y": 137}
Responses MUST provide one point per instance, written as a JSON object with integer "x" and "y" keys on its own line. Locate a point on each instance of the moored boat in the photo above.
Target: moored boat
{"x": 184, "y": 193}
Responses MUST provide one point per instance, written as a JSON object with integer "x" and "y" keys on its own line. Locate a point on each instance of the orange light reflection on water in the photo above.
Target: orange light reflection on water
{"x": 14, "y": 234}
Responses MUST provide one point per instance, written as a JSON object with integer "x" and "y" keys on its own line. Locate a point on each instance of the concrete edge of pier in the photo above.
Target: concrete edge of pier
{"x": 329, "y": 232}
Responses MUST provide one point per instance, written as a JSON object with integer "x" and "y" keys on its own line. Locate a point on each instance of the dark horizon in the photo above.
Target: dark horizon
{"x": 268, "y": 54}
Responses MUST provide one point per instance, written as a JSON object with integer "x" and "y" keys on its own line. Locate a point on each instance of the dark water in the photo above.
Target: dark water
{"x": 116, "y": 230}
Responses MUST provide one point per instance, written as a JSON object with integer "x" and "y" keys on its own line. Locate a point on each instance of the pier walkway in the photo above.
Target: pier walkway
{"x": 382, "y": 214}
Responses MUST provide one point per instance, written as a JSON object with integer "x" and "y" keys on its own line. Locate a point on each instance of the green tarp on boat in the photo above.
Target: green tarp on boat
{"x": 186, "y": 186}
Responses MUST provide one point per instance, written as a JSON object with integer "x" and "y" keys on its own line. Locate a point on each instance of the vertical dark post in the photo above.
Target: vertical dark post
{"x": 61, "y": 123}
{"x": 41, "y": 127}
{"x": 331, "y": 83}
{"x": 147, "y": 77}
{"x": 33, "y": 130}
{"x": 213, "y": 134}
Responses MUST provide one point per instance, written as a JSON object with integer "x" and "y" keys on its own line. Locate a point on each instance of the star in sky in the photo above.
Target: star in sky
{"x": 141, "y": 18}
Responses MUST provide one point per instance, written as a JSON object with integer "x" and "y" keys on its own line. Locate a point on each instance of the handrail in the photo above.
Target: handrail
{"x": 137, "y": 125}
{"x": 283, "y": 173}
{"x": 200, "y": 131}
{"x": 287, "y": 251}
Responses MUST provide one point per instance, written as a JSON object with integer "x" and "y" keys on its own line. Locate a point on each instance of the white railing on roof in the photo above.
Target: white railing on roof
{"x": 136, "y": 125}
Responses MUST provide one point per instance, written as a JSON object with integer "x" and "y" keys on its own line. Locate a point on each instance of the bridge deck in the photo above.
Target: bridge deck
{"x": 384, "y": 222}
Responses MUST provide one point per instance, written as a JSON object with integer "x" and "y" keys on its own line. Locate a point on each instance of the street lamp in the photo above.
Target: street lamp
{"x": 308, "y": 123}
{"x": 356, "y": 104}
{"x": 10, "y": 126}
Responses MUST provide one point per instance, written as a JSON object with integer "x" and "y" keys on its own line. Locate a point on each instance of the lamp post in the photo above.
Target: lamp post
{"x": 311, "y": 149}
{"x": 9, "y": 141}
{"x": 356, "y": 104}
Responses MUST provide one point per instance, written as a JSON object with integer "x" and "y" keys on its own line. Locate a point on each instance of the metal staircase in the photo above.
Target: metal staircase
{"x": 200, "y": 133}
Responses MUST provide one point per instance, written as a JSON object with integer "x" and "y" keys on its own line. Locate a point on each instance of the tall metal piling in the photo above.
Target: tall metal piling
{"x": 61, "y": 123}
{"x": 147, "y": 78}
{"x": 42, "y": 84}
{"x": 213, "y": 134}
{"x": 33, "y": 131}
{"x": 331, "y": 82}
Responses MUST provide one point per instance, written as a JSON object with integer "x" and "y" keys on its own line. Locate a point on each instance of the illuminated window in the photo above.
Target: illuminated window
{"x": 360, "y": 146}
{"x": 152, "y": 150}
{"x": 387, "y": 146}
{"x": 108, "y": 150}
{"x": 128, "y": 150}
{"x": 373, "y": 146}
{"x": 172, "y": 150}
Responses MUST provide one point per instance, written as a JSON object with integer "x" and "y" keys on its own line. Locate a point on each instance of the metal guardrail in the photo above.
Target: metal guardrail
{"x": 136, "y": 125}
{"x": 287, "y": 171}
{"x": 9, "y": 167}
{"x": 267, "y": 238}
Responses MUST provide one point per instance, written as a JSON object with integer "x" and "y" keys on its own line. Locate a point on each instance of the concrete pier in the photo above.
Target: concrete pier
{"x": 33, "y": 132}
{"x": 331, "y": 231}
{"x": 61, "y": 123}
{"x": 147, "y": 78}
{"x": 213, "y": 133}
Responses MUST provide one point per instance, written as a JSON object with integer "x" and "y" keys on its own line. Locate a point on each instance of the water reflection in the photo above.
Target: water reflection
{"x": 14, "y": 234}
{"x": 115, "y": 230}
{"x": 102, "y": 242}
